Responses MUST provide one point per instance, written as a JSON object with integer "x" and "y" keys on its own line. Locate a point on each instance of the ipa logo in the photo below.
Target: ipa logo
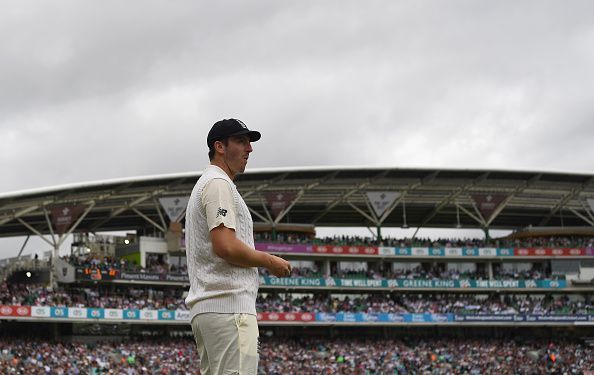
{"x": 307, "y": 317}
{"x": 464, "y": 284}
{"x": 530, "y": 284}
{"x": 290, "y": 316}
{"x": 77, "y": 312}
{"x": 6, "y": 310}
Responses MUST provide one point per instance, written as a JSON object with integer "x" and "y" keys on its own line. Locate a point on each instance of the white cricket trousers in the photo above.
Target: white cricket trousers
{"x": 227, "y": 343}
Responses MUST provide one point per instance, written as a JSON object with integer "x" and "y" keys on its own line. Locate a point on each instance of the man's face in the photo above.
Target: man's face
{"x": 237, "y": 152}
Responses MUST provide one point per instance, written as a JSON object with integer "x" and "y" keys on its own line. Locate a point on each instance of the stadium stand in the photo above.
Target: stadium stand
{"x": 304, "y": 356}
{"x": 353, "y": 304}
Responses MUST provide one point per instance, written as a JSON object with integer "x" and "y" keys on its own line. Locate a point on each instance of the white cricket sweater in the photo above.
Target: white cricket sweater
{"x": 215, "y": 285}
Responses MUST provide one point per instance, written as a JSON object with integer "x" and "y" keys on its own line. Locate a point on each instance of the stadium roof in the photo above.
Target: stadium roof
{"x": 325, "y": 196}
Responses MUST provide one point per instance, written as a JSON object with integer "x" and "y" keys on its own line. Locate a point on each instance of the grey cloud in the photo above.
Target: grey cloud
{"x": 101, "y": 90}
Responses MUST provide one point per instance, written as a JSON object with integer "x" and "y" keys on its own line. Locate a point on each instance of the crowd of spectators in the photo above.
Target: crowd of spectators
{"x": 157, "y": 264}
{"x": 28, "y": 356}
{"x": 414, "y": 303}
{"x": 110, "y": 297}
{"x": 421, "y": 273}
{"x": 106, "y": 263}
{"x": 436, "y": 273}
{"x": 103, "y": 263}
{"x": 436, "y": 356}
{"x": 353, "y": 240}
{"x": 372, "y": 356}
{"x": 553, "y": 241}
{"x": 172, "y": 299}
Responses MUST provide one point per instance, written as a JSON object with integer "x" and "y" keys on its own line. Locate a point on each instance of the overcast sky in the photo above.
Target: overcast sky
{"x": 93, "y": 90}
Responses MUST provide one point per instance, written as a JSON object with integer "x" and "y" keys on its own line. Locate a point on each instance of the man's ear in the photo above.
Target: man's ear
{"x": 219, "y": 146}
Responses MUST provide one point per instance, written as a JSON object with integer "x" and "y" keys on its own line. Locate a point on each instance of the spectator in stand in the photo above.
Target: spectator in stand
{"x": 171, "y": 299}
{"x": 345, "y": 240}
{"x": 283, "y": 355}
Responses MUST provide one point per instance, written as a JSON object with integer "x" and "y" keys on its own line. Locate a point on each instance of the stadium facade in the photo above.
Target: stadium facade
{"x": 476, "y": 288}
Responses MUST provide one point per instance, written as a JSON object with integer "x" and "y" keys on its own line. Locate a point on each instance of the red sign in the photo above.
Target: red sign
{"x": 64, "y": 216}
{"x": 286, "y": 317}
{"x": 278, "y": 201}
{"x": 487, "y": 203}
{"x": 15, "y": 310}
{"x": 320, "y": 249}
{"x": 547, "y": 251}
{"x": 346, "y": 250}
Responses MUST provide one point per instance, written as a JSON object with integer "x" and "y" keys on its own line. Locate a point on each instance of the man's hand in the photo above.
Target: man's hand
{"x": 279, "y": 267}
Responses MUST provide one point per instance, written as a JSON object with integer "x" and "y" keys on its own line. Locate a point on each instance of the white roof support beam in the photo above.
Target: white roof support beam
{"x": 299, "y": 195}
{"x": 587, "y": 211}
{"x": 478, "y": 219}
{"x": 559, "y": 206}
{"x": 455, "y": 194}
{"x": 283, "y": 213}
{"x": 479, "y": 215}
{"x": 266, "y": 211}
{"x": 373, "y": 234}
{"x": 340, "y": 199}
{"x": 344, "y": 197}
{"x": 500, "y": 208}
{"x": 363, "y": 213}
{"x": 587, "y": 220}
{"x": 287, "y": 209}
{"x": 20, "y": 213}
{"x": 511, "y": 196}
{"x": 118, "y": 211}
{"x": 574, "y": 193}
{"x": 370, "y": 209}
{"x": 152, "y": 222}
{"x": 50, "y": 226}
{"x": 264, "y": 186}
{"x": 52, "y": 244}
{"x": 264, "y": 219}
{"x": 158, "y": 208}
{"x": 23, "y": 247}
{"x": 516, "y": 191}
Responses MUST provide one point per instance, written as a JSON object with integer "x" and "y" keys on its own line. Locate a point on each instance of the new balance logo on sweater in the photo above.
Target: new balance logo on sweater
{"x": 221, "y": 212}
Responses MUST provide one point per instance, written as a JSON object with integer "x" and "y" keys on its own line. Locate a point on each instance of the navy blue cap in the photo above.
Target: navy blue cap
{"x": 227, "y": 128}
